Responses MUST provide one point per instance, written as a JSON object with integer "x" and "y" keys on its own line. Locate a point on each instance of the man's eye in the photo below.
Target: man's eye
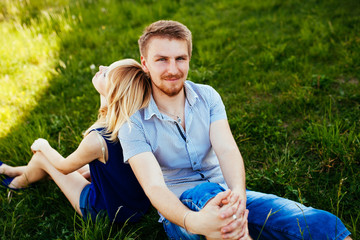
{"x": 161, "y": 59}
{"x": 180, "y": 58}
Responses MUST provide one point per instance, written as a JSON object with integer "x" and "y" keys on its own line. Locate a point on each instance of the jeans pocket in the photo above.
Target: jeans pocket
{"x": 175, "y": 232}
{"x": 169, "y": 229}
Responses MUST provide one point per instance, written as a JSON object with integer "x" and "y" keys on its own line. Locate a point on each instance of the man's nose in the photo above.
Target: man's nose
{"x": 172, "y": 67}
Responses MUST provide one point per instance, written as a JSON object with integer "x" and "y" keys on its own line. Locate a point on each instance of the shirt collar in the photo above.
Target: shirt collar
{"x": 191, "y": 95}
{"x": 152, "y": 109}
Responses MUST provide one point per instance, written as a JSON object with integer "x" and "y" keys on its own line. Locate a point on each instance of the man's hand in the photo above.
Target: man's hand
{"x": 240, "y": 229}
{"x": 209, "y": 221}
{"x": 237, "y": 228}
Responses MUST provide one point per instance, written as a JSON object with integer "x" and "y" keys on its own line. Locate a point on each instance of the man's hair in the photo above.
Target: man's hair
{"x": 128, "y": 90}
{"x": 165, "y": 29}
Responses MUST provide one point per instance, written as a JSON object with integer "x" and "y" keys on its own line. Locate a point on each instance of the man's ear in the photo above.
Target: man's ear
{"x": 143, "y": 64}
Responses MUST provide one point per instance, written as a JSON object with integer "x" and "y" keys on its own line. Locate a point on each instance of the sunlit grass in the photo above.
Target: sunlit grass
{"x": 30, "y": 53}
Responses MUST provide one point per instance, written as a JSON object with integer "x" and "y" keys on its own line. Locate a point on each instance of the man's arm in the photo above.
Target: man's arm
{"x": 207, "y": 222}
{"x": 230, "y": 159}
{"x": 232, "y": 166}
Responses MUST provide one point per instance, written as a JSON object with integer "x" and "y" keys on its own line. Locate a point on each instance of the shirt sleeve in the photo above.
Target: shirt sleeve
{"x": 132, "y": 139}
{"x": 217, "y": 107}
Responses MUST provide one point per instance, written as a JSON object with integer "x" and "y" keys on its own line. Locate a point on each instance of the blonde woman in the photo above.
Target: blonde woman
{"x": 113, "y": 187}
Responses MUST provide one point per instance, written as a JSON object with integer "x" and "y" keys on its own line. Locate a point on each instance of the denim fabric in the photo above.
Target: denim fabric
{"x": 195, "y": 199}
{"x": 85, "y": 206}
{"x": 270, "y": 217}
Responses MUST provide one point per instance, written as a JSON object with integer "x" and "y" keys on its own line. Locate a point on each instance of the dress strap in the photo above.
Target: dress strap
{"x": 102, "y": 145}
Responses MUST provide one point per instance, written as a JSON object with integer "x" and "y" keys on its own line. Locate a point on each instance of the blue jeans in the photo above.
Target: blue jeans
{"x": 287, "y": 219}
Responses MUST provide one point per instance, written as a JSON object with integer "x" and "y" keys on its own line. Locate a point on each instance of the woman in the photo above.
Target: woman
{"x": 113, "y": 187}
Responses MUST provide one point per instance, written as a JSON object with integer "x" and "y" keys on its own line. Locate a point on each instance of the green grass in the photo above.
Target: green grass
{"x": 288, "y": 73}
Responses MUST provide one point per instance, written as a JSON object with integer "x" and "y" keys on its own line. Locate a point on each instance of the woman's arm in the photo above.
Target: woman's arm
{"x": 88, "y": 150}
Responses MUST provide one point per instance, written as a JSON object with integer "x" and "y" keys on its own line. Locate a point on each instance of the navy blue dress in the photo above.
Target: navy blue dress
{"x": 114, "y": 185}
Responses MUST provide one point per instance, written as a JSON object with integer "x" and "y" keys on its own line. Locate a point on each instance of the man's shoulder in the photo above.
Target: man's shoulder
{"x": 199, "y": 86}
{"x": 138, "y": 116}
{"x": 202, "y": 91}
{"x": 133, "y": 125}
{"x": 135, "y": 119}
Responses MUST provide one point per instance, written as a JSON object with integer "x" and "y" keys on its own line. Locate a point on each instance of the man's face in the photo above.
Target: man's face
{"x": 167, "y": 62}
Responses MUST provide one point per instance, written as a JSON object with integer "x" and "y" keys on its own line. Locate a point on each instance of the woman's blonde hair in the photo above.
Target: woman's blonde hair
{"x": 128, "y": 89}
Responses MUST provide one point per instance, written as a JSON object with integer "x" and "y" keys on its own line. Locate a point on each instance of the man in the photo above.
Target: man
{"x": 182, "y": 151}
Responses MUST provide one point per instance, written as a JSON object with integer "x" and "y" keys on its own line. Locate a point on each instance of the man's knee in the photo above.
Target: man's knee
{"x": 197, "y": 197}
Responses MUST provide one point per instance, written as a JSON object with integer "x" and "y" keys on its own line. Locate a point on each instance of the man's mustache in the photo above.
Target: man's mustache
{"x": 172, "y": 76}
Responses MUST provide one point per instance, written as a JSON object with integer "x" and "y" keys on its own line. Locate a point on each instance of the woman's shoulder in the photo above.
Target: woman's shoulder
{"x": 97, "y": 145}
{"x": 91, "y": 141}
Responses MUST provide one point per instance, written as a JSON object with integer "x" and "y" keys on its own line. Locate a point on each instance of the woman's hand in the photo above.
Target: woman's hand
{"x": 39, "y": 144}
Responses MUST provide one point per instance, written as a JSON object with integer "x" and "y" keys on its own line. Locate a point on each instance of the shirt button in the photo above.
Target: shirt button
{"x": 195, "y": 163}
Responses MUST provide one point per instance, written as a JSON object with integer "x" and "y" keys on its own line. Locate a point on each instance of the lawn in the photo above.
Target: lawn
{"x": 288, "y": 73}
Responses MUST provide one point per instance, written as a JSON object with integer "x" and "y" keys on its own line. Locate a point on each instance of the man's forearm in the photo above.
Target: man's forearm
{"x": 168, "y": 205}
{"x": 205, "y": 222}
{"x": 233, "y": 169}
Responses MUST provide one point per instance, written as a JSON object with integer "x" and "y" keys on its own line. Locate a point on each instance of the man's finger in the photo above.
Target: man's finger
{"x": 240, "y": 212}
{"x": 217, "y": 200}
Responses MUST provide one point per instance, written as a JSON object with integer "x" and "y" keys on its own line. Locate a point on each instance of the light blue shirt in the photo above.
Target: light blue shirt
{"x": 186, "y": 157}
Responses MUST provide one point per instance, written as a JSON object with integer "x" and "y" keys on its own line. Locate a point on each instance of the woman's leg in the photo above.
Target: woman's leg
{"x": 39, "y": 167}
{"x": 85, "y": 172}
{"x": 11, "y": 171}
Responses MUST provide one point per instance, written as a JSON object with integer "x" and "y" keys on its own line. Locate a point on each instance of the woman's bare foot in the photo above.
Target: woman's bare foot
{"x": 12, "y": 171}
{"x": 16, "y": 185}
{"x": 18, "y": 182}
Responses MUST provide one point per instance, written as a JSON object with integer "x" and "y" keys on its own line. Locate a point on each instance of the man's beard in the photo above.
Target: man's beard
{"x": 172, "y": 90}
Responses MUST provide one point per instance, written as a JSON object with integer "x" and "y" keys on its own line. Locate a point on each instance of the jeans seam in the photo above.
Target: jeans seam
{"x": 343, "y": 234}
{"x": 197, "y": 208}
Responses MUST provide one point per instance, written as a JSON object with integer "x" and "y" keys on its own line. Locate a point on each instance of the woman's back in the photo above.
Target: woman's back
{"x": 114, "y": 186}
